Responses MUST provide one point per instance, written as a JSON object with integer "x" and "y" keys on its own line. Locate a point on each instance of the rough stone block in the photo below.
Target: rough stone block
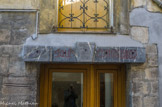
{"x": 37, "y": 53}
{"x": 151, "y": 49}
{"x": 137, "y": 101}
{"x": 140, "y": 33}
{"x": 85, "y": 51}
{"x": 6, "y": 49}
{"x": 5, "y": 36}
{"x": 140, "y": 88}
{"x": 152, "y": 60}
{"x": 155, "y": 88}
{"x": 4, "y": 64}
{"x": 137, "y": 74}
{"x": 17, "y": 26}
{"x": 153, "y": 7}
{"x": 138, "y": 3}
{"x": 32, "y": 69}
{"x": 22, "y": 81}
{"x": 146, "y": 88}
{"x": 138, "y": 66}
{"x": 16, "y": 67}
{"x": 151, "y": 73}
{"x": 16, "y": 90}
{"x": 64, "y": 54}
{"x": 47, "y": 19}
{"x": 151, "y": 101}
{"x": 137, "y": 88}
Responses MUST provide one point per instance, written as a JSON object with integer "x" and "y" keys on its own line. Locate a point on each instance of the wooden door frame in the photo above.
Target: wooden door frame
{"x": 90, "y": 99}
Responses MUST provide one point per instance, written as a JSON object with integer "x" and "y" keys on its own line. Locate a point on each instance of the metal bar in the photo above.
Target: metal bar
{"x": 86, "y": 28}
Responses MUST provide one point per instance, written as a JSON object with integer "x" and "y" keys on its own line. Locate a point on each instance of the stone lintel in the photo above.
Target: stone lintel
{"x": 84, "y": 52}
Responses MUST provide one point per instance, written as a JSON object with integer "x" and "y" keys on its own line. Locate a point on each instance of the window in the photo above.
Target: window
{"x": 85, "y": 15}
{"x": 116, "y": 21}
{"x": 82, "y": 85}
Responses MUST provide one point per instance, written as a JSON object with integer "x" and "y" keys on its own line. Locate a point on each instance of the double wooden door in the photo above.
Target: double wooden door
{"x": 65, "y": 85}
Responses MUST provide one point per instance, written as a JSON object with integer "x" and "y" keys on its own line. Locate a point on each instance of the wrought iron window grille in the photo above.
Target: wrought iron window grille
{"x": 71, "y": 17}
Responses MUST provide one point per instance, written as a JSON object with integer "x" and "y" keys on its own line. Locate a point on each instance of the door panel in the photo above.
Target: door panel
{"x": 106, "y": 88}
{"x": 82, "y": 85}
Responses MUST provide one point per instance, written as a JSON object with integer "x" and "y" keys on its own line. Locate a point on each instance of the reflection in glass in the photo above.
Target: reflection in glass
{"x": 67, "y": 89}
{"x": 106, "y": 90}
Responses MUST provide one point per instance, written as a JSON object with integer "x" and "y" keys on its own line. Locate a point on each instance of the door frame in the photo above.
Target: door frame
{"x": 91, "y": 82}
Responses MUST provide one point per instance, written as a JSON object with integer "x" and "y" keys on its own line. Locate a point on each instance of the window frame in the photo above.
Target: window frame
{"x": 112, "y": 15}
{"x": 91, "y": 82}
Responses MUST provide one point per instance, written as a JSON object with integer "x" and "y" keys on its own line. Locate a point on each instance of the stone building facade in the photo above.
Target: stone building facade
{"x": 28, "y": 26}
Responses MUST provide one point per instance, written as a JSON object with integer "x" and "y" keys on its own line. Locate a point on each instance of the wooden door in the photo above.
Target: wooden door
{"x": 91, "y": 85}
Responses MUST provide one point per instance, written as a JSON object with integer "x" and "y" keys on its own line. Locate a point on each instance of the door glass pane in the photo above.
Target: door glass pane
{"x": 67, "y": 89}
{"x": 106, "y": 90}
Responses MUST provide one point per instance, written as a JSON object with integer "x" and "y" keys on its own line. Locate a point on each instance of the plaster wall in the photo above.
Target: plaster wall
{"x": 142, "y": 17}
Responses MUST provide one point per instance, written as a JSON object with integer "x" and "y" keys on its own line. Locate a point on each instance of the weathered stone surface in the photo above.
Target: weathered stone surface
{"x": 106, "y": 54}
{"x": 6, "y": 50}
{"x": 4, "y": 64}
{"x": 16, "y": 27}
{"x": 21, "y": 81}
{"x": 146, "y": 88}
{"x": 153, "y": 7}
{"x": 137, "y": 101}
{"x": 122, "y": 54}
{"x": 32, "y": 69}
{"x": 37, "y": 53}
{"x": 5, "y": 36}
{"x": 140, "y": 34}
{"x": 155, "y": 88}
{"x": 16, "y": 90}
{"x": 151, "y": 49}
{"x": 137, "y": 74}
{"x": 16, "y": 67}
{"x": 152, "y": 60}
{"x": 19, "y": 4}
{"x": 151, "y": 101}
{"x": 1, "y": 83}
{"x": 137, "y": 88}
{"x": 64, "y": 54}
{"x": 151, "y": 73}
{"x": 85, "y": 51}
{"x": 48, "y": 16}
{"x": 138, "y": 3}
{"x": 121, "y": 12}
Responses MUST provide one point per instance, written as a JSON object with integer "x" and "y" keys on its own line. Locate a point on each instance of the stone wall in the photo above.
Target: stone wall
{"x": 142, "y": 81}
{"x": 146, "y": 19}
{"x": 18, "y": 80}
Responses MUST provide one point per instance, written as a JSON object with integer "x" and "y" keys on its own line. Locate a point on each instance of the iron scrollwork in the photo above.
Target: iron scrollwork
{"x": 86, "y": 18}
